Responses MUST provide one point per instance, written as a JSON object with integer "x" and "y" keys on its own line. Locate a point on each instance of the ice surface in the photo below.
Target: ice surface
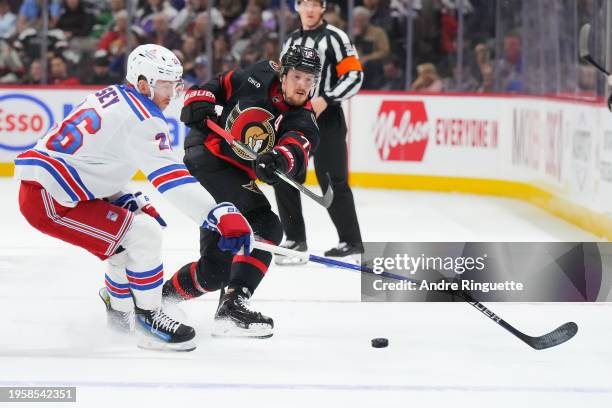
{"x": 53, "y": 331}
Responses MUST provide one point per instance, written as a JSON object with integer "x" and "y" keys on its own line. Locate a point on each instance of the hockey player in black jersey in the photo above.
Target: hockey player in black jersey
{"x": 267, "y": 107}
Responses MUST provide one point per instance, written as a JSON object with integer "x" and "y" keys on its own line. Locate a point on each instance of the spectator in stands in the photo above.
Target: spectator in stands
{"x": 34, "y": 75}
{"x": 221, "y": 48}
{"x": 271, "y": 48}
{"x": 145, "y": 14}
{"x": 372, "y": 45}
{"x": 199, "y": 27}
{"x": 268, "y": 18}
{"x": 427, "y": 79}
{"x": 162, "y": 34}
{"x": 467, "y": 83}
{"x": 75, "y": 21}
{"x": 28, "y": 43}
{"x": 488, "y": 81}
{"x": 8, "y": 20}
{"x": 252, "y": 33}
{"x": 190, "y": 50}
{"x": 332, "y": 16}
{"x": 59, "y": 72}
{"x": 11, "y": 67}
{"x": 113, "y": 42}
{"x": 188, "y": 14}
{"x": 250, "y": 55}
{"x": 30, "y": 13}
{"x": 229, "y": 63}
{"x": 101, "y": 71}
{"x": 198, "y": 74}
{"x": 231, "y": 9}
{"x": 105, "y": 16}
{"x": 587, "y": 79}
{"x": 393, "y": 75}
{"x": 380, "y": 15}
{"x": 509, "y": 68}
{"x": 135, "y": 37}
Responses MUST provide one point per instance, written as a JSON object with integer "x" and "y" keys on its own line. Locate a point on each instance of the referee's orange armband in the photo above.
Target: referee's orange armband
{"x": 350, "y": 63}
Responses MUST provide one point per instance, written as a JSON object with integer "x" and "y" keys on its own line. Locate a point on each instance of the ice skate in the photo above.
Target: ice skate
{"x": 235, "y": 319}
{"x": 347, "y": 252}
{"x": 292, "y": 260}
{"x": 161, "y": 332}
{"x": 122, "y": 322}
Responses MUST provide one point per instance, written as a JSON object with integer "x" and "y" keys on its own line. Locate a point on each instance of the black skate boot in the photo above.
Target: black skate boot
{"x": 235, "y": 319}
{"x": 122, "y": 322}
{"x": 292, "y": 260}
{"x": 345, "y": 249}
{"x": 163, "y": 332}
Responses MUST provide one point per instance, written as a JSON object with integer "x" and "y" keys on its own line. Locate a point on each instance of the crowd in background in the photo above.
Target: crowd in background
{"x": 88, "y": 40}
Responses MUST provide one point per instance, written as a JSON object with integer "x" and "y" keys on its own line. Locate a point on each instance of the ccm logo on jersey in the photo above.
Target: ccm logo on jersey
{"x": 199, "y": 95}
{"x": 254, "y": 82}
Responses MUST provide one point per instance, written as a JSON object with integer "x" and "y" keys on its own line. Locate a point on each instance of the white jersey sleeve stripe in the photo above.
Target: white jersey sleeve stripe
{"x": 170, "y": 176}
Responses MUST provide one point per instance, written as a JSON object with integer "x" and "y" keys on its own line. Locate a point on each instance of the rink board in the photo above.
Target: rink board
{"x": 552, "y": 152}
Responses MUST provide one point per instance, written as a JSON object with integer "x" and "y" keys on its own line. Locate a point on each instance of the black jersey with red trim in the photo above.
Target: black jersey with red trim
{"x": 255, "y": 113}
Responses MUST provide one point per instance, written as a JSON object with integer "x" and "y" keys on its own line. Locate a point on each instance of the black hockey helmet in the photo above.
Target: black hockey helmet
{"x": 303, "y": 59}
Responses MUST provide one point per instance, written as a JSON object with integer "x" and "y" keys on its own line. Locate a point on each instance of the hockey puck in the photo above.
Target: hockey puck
{"x": 380, "y": 342}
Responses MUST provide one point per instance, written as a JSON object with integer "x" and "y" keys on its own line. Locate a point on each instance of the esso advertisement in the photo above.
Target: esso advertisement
{"x": 401, "y": 130}
{"x": 23, "y": 120}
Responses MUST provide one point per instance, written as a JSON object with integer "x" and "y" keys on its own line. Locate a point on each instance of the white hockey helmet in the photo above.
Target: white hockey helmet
{"x": 155, "y": 63}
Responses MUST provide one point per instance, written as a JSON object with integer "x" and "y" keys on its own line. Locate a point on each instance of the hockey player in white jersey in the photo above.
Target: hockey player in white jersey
{"x": 73, "y": 180}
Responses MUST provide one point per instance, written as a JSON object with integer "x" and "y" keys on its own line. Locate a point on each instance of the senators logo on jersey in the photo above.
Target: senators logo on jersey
{"x": 251, "y": 126}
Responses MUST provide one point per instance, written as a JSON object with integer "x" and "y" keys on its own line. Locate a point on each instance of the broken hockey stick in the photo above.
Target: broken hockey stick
{"x": 585, "y": 32}
{"x": 325, "y": 200}
{"x": 558, "y": 336}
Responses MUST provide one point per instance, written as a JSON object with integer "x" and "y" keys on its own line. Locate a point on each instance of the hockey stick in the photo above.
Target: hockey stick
{"x": 558, "y": 336}
{"x": 585, "y": 32}
{"x": 325, "y": 200}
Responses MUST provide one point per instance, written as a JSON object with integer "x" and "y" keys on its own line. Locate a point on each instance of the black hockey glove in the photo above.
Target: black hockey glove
{"x": 277, "y": 158}
{"x": 199, "y": 105}
{"x": 610, "y": 102}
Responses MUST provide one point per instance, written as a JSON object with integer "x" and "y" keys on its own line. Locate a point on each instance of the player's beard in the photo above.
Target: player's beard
{"x": 296, "y": 100}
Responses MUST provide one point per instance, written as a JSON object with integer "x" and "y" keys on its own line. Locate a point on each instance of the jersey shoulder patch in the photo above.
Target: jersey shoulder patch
{"x": 274, "y": 65}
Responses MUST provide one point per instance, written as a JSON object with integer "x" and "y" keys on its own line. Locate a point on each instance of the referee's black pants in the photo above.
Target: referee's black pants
{"x": 330, "y": 157}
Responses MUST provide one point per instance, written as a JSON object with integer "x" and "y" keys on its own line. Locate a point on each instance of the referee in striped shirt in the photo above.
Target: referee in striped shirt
{"x": 341, "y": 78}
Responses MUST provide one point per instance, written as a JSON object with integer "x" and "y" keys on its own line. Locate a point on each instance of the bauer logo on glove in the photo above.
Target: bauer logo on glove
{"x": 235, "y": 231}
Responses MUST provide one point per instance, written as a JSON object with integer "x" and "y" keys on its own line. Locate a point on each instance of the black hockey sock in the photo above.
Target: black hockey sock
{"x": 184, "y": 284}
{"x": 248, "y": 271}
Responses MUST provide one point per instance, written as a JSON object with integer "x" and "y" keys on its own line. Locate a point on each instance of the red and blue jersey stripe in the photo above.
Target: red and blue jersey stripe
{"x": 65, "y": 175}
{"x": 146, "y": 280}
{"x": 117, "y": 290}
{"x": 170, "y": 176}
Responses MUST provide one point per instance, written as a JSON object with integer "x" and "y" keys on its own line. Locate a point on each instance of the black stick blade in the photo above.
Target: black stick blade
{"x": 328, "y": 197}
{"x": 584, "y": 40}
{"x": 558, "y": 336}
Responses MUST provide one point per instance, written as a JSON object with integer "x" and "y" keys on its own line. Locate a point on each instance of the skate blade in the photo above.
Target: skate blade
{"x": 147, "y": 343}
{"x": 226, "y": 328}
{"x": 289, "y": 260}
